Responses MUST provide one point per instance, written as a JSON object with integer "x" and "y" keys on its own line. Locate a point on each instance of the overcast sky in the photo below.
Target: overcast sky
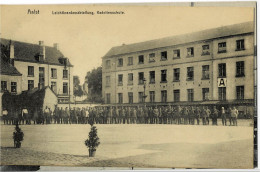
{"x": 86, "y": 38}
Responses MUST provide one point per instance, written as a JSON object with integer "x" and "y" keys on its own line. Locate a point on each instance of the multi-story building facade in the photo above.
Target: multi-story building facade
{"x": 41, "y": 66}
{"x": 215, "y": 65}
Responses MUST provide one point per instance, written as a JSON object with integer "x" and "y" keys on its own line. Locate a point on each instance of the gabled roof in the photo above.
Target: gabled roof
{"x": 8, "y": 69}
{"x": 237, "y": 29}
{"x": 27, "y": 52}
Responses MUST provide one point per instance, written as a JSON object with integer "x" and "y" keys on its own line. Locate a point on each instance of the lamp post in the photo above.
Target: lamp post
{"x": 144, "y": 96}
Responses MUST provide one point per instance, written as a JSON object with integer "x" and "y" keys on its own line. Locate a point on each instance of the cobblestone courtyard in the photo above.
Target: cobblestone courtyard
{"x": 133, "y": 145}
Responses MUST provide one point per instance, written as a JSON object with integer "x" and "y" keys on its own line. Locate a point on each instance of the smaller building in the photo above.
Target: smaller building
{"x": 11, "y": 79}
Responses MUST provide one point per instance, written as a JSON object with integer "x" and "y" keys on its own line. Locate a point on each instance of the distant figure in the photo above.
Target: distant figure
{"x": 223, "y": 116}
{"x": 234, "y": 114}
{"x": 5, "y": 116}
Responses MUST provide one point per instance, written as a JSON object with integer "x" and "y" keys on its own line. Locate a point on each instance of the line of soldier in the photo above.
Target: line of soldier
{"x": 125, "y": 115}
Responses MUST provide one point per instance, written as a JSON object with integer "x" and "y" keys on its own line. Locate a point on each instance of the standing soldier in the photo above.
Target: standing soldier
{"x": 178, "y": 114}
{"x": 25, "y": 115}
{"x": 223, "y": 116}
{"x": 185, "y": 114}
{"x": 156, "y": 115}
{"x": 197, "y": 115}
{"x": 208, "y": 112}
{"x": 229, "y": 116}
{"x": 215, "y": 116}
{"x": 234, "y": 115}
{"x": 5, "y": 115}
{"x": 86, "y": 115}
{"x": 146, "y": 116}
{"x": 134, "y": 115}
{"x": 127, "y": 117}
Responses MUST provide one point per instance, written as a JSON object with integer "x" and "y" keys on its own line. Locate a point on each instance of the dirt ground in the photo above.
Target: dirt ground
{"x": 133, "y": 145}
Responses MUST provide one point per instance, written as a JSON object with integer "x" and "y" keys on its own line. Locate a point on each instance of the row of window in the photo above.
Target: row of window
{"x": 31, "y": 86}
{"x": 41, "y": 72}
{"x": 13, "y": 86}
{"x": 176, "y": 95}
{"x": 222, "y": 48}
{"x": 240, "y": 72}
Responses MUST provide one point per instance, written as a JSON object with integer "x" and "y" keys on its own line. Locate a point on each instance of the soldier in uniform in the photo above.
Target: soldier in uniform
{"x": 229, "y": 116}
{"x": 215, "y": 116}
{"x": 208, "y": 112}
{"x": 223, "y": 116}
{"x": 234, "y": 115}
{"x": 156, "y": 115}
{"x": 197, "y": 115}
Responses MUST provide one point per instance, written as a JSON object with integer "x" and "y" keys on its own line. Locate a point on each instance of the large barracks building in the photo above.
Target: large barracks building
{"x": 214, "y": 66}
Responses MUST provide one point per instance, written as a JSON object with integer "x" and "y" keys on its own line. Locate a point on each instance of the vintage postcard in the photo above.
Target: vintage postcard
{"x": 128, "y": 85}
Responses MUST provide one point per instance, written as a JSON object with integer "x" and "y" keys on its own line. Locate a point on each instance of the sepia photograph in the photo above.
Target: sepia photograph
{"x": 128, "y": 86}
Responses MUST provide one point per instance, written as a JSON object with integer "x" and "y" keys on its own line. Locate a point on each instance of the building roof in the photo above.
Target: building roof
{"x": 26, "y": 52}
{"x": 236, "y": 29}
{"x": 7, "y": 68}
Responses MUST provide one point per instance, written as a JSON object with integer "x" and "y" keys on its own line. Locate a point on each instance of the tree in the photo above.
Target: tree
{"x": 77, "y": 89}
{"x": 94, "y": 81}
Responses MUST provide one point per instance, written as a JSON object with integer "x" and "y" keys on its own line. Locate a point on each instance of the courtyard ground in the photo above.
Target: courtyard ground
{"x": 133, "y": 145}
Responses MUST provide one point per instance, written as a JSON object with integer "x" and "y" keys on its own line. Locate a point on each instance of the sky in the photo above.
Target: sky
{"x": 86, "y": 38}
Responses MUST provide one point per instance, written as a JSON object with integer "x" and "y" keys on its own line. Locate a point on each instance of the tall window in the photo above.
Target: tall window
{"x": 205, "y": 50}
{"x": 65, "y": 74}
{"x": 176, "y": 95}
{"x": 164, "y": 95}
{"x": 190, "y": 95}
{"x": 3, "y": 85}
{"x": 53, "y": 73}
{"x": 54, "y": 87}
{"x": 240, "y": 69}
{"x": 176, "y": 54}
{"x": 141, "y": 59}
{"x": 164, "y": 55}
{"x": 205, "y": 72}
{"x": 152, "y": 57}
{"x": 222, "y": 70}
{"x": 152, "y": 77}
{"x": 176, "y": 74}
{"x": 190, "y": 73}
{"x": 30, "y": 84}
{"x": 190, "y": 52}
{"x": 120, "y": 97}
{"x": 240, "y": 45}
{"x": 13, "y": 87}
{"x": 130, "y": 79}
{"x": 240, "y": 92}
{"x": 130, "y": 97}
{"x": 107, "y": 81}
{"x": 30, "y": 71}
{"x": 120, "y": 62}
{"x": 41, "y": 76}
{"x": 222, "y": 47}
{"x": 120, "y": 79}
{"x": 108, "y": 64}
{"x": 163, "y": 75}
{"x": 222, "y": 93}
{"x": 205, "y": 94}
{"x": 141, "y": 97}
{"x": 65, "y": 88}
{"x": 108, "y": 98}
{"x": 130, "y": 61}
{"x": 152, "y": 96}
{"x": 141, "y": 78}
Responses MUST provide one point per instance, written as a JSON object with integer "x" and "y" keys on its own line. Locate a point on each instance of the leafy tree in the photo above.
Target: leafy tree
{"x": 94, "y": 81}
{"x": 77, "y": 89}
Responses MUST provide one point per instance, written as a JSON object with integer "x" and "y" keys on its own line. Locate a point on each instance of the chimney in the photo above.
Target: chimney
{"x": 11, "y": 48}
{"x": 56, "y": 46}
{"x": 42, "y": 50}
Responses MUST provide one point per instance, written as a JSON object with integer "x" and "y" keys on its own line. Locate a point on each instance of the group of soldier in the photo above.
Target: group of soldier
{"x": 124, "y": 115}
